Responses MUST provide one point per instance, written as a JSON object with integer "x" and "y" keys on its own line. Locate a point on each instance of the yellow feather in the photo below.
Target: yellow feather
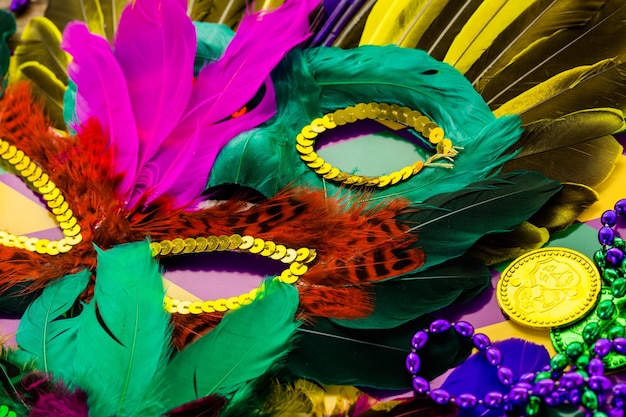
{"x": 40, "y": 43}
{"x": 491, "y": 17}
{"x": 570, "y": 91}
{"x": 402, "y": 22}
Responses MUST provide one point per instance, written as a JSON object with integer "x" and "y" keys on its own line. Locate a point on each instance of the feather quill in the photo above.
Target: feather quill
{"x": 585, "y": 87}
{"x": 345, "y": 24}
{"x": 541, "y": 19}
{"x": 103, "y": 91}
{"x": 559, "y": 52}
{"x": 495, "y": 205}
{"x": 415, "y": 294}
{"x": 350, "y": 33}
{"x": 577, "y": 147}
{"x": 245, "y": 345}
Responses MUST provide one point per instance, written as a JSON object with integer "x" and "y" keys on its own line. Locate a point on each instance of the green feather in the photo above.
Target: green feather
{"x": 447, "y": 225}
{"x": 44, "y": 329}
{"x": 412, "y": 295}
{"x": 8, "y": 25}
{"x": 244, "y": 346}
{"x": 14, "y": 365}
{"x": 319, "y": 80}
{"x": 332, "y": 354}
{"x": 122, "y": 341}
{"x": 118, "y": 341}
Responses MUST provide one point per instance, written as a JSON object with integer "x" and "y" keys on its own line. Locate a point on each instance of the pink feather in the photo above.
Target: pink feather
{"x": 155, "y": 46}
{"x": 102, "y": 92}
{"x": 261, "y": 41}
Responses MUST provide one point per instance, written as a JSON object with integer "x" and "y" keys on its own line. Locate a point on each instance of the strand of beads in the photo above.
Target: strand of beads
{"x": 610, "y": 259}
{"x": 575, "y": 378}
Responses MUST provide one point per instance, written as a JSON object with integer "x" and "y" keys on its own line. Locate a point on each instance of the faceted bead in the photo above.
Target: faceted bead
{"x": 618, "y": 287}
{"x": 574, "y": 350}
{"x": 544, "y": 387}
{"x": 589, "y": 399}
{"x": 616, "y": 412}
{"x": 616, "y": 332}
{"x": 599, "y": 257}
{"x": 420, "y": 385}
{"x": 440, "y": 396}
{"x": 620, "y": 206}
{"x": 558, "y": 362}
{"x": 596, "y": 367}
{"x": 583, "y": 361}
{"x": 574, "y": 397}
{"x": 505, "y": 375}
{"x": 599, "y": 383}
{"x": 419, "y": 340}
{"x": 555, "y": 399}
{"x": 481, "y": 341}
{"x": 464, "y": 328}
{"x": 599, "y": 414}
{"x": 606, "y": 235}
{"x": 619, "y": 344}
{"x": 618, "y": 242}
{"x": 615, "y": 256}
{"x": 532, "y": 409}
{"x": 602, "y": 347}
{"x": 572, "y": 380}
{"x": 618, "y": 402}
{"x": 609, "y": 218}
{"x": 606, "y": 309}
{"x": 466, "y": 401}
{"x": 493, "y": 400}
{"x": 527, "y": 378}
{"x": 494, "y": 356}
{"x": 518, "y": 395}
{"x": 591, "y": 332}
{"x": 413, "y": 363}
{"x": 439, "y": 326}
{"x": 619, "y": 389}
{"x": 610, "y": 274}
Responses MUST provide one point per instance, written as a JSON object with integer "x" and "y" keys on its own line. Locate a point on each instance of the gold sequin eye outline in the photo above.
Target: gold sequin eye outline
{"x": 54, "y": 198}
{"x": 305, "y": 143}
{"x": 296, "y": 260}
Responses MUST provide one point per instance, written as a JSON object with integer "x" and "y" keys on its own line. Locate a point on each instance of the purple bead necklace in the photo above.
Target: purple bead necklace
{"x": 575, "y": 377}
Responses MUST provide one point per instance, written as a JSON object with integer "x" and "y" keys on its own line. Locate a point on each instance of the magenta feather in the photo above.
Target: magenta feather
{"x": 155, "y": 46}
{"x": 261, "y": 41}
{"x": 103, "y": 92}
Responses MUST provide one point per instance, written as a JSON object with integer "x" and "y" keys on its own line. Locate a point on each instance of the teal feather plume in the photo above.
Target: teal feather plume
{"x": 313, "y": 82}
{"x": 46, "y": 330}
{"x": 246, "y": 344}
{"x": 212, "y": 40}
{"x": 119, "y": 339}
{"x": 450, "y": 223}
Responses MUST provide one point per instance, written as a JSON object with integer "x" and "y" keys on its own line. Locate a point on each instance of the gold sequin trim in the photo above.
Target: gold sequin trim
{"x": 39, "y": 181}
{"x": 305, "y": 142}
{"x": 297, "y": 261}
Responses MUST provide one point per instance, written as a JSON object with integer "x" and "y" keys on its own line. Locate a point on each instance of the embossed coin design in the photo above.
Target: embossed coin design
{"x": 548, "y": 287}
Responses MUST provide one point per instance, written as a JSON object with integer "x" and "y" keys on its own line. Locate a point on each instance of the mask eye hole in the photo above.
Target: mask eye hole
{"x": 430, "y": 72}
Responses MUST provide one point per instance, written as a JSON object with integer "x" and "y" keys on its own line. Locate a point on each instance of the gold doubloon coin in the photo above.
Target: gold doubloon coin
{"x": 548, "y": 287}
